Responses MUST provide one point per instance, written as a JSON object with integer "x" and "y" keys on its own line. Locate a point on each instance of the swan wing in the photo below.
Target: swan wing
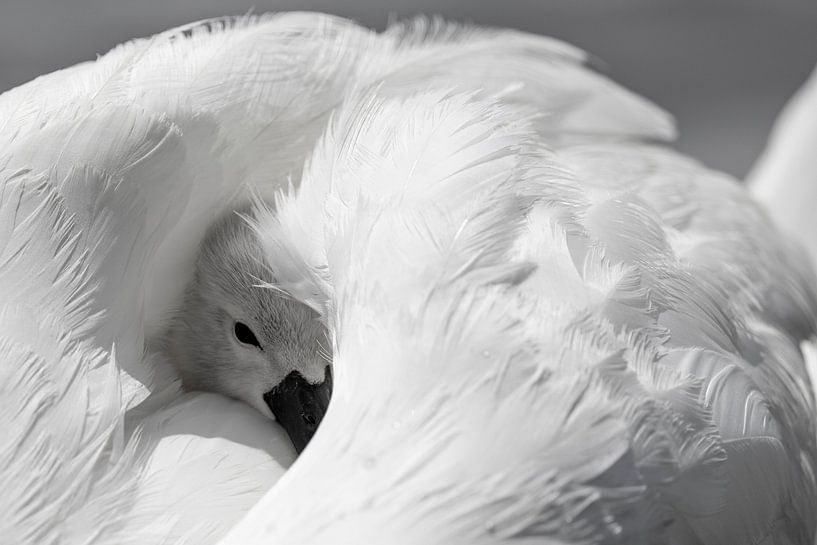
{"x": 109, "y": 174}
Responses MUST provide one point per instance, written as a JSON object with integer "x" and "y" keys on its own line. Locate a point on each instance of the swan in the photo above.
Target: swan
{"x": 257, "y": 345}
{"x": 543, "y": 328}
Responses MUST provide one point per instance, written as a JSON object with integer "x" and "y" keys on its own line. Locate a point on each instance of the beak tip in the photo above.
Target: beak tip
{"x": 299, "y": 406}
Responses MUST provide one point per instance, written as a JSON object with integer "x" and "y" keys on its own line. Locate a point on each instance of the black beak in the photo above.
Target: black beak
{"x": 299, "y": 406}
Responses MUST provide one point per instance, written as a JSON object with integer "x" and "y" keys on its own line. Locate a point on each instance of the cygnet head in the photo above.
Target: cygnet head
{"x": 237, "y": 336}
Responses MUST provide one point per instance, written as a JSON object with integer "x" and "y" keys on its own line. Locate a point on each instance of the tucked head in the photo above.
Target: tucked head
{"x": 251, "y": 342}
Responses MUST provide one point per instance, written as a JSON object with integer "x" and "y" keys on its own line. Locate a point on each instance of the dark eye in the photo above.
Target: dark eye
{"x": 245, "y": 335}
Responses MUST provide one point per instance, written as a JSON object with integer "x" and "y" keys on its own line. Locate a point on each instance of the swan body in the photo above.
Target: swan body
{"x": 581, "y": 342}
{"x": 544, "y": 329}
{"x": 206, "y": 460}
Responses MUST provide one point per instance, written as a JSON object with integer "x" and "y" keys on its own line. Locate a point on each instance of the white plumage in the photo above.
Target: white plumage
{"x": 783, "y": 179}
{"x": 546, "y": 330}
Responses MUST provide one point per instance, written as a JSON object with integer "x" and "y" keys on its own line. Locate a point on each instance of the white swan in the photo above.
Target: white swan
{"x": 544, "y": 329}
{"x": 234, "y": 336}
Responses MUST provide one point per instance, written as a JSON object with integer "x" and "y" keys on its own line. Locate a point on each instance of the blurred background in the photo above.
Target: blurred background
{"x": 724, "y": 68}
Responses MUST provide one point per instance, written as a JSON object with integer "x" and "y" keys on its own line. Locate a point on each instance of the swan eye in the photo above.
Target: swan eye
{"x": 245, "y": 335}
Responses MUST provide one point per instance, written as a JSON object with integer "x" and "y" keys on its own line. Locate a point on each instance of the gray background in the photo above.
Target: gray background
{"x": 724, "y": 68}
